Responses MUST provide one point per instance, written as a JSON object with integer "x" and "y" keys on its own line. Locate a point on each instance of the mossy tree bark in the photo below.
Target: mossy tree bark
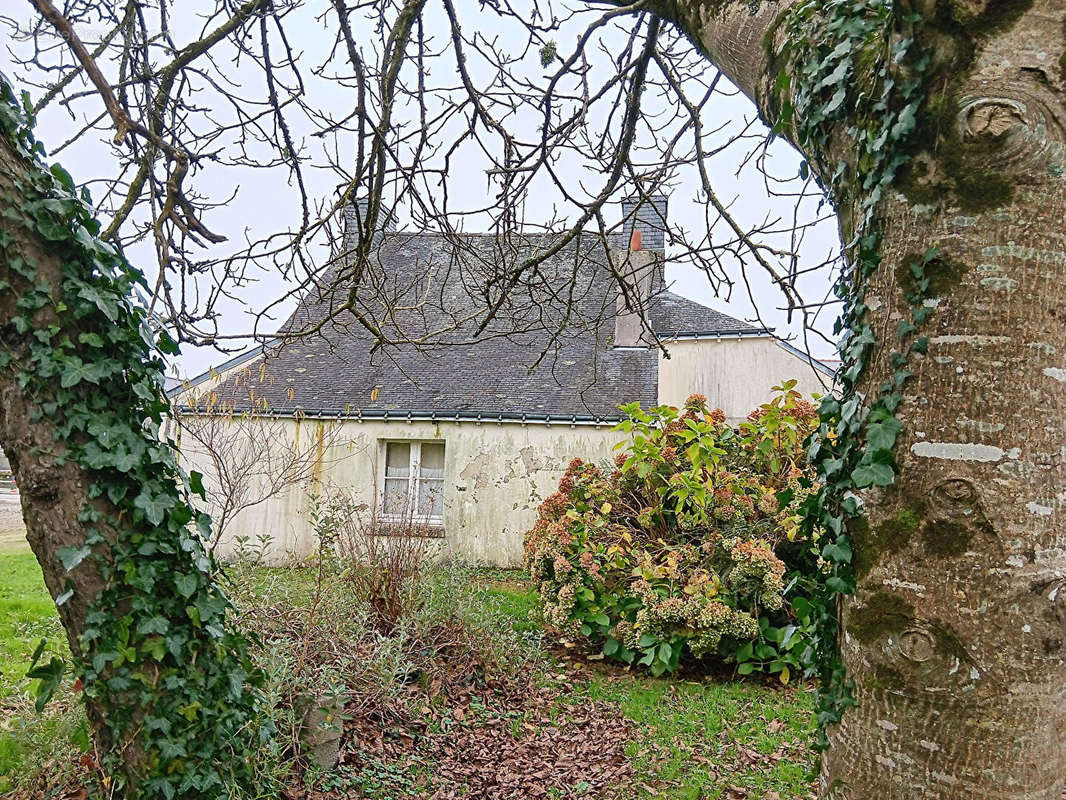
{"x": 955, "y": 636}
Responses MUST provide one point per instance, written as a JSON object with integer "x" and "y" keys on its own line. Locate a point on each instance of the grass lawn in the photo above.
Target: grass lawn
{"x": 694, "y": 739}
{"x": 27, "y": 615}
{"x": 716, "y": 740}
{"x": 705, "y": 739}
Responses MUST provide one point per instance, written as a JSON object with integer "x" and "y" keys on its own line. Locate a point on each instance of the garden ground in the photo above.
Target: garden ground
{"x": 559, "y": 726}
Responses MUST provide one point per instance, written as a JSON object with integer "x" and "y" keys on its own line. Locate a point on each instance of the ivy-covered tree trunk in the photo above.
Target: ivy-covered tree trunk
{"x": 939, "y": 129}
{"x": 164, "y": 675}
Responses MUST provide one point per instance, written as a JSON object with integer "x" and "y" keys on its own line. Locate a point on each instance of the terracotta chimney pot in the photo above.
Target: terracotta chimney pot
{"x": 635, "y": 240}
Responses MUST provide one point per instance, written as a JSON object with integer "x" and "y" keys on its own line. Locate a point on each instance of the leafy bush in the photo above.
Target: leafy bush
{"x": 683, "y": 545}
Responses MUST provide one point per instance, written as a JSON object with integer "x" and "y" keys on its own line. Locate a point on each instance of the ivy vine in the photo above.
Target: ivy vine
{"x": 850, "y": 71}
{"x": 160, "y": 657}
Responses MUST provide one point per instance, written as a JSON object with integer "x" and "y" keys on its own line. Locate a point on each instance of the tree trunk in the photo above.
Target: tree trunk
{"x": 955, "y": 636}
{"x": 163, "y": 673}
{"x": 52, "y": 492}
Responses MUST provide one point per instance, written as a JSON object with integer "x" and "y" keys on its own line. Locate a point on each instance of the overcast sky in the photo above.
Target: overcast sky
{"x": 263, "y": 201}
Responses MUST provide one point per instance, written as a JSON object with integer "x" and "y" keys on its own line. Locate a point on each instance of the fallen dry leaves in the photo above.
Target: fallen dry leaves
{"x": 496, "y": 741}
{"x": 569, "y": 749}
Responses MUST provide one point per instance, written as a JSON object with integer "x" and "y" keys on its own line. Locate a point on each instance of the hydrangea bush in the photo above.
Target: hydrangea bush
{"x": 681, "y": 548}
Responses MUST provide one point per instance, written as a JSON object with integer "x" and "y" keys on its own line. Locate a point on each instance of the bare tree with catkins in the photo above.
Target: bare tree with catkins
{"x": 247, "y": 457}
{"x": 936, "y": 131}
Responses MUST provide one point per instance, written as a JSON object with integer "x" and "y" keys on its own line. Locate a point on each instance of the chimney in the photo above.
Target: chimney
{"x": 646, "y": 214}
{"x": 638, "y": 269}
{"x": 638, "y": 266}
{"x": 355, "y": 219}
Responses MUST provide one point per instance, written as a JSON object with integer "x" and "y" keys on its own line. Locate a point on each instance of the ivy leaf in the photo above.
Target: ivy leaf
{"x": 70, "y": 557}
{"x": 904, "y": 122}
{"x": 839, "y": 585}
{"x": 105, "y": 433}
{"x": 125, "y": 462}
{"x": 75, "y": 371}
{"x": 831, "y": 466}
{"x": 196, "y": 484}
{"x": 167, "y": 345}
{"x": 49, "y": 675}
{"x": 155, "y": 647}
{"x": 838, "y": 551}
{"x": 105, "y": 303}
{"x": 835, "y": 77}
{"x": 836, "y": 101}
{"x": 873, "y": 475}
{"x": 156, "y": 624}
{"x": 51, "y": 230}
{"x": 62, "y": 176}
{"x": 882, "y": 435}
{"x": 154, "y": 506}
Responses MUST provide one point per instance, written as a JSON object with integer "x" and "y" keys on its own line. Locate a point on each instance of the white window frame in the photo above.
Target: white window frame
{"x": 414, "y": 479}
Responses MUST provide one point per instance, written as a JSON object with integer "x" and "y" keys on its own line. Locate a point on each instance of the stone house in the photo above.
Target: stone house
{"x": 473, "y": 433}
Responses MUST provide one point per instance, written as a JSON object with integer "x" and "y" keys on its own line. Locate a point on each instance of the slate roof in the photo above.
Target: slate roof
{"x": 518, "y": 369}
{"x": 673, "y": 315}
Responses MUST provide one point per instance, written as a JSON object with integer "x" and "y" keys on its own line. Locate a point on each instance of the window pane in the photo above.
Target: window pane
{"x": 430, "y": 498}
{"x": 432, "y": 465}
{"x": 397, "y": 460}
{"x": 394, "y": 503}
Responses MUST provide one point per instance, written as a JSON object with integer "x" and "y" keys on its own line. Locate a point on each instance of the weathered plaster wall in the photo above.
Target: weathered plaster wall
{"x": 734, "y": 374}
{"x": 497, "y": 474}
{"x": 495, "y": 477}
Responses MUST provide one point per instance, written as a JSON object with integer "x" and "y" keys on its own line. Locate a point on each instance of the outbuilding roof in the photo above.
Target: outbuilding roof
{"x": 547, "y": 352}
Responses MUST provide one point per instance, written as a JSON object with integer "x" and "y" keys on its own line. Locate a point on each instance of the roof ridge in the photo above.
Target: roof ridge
{"x": 702, "y": 317}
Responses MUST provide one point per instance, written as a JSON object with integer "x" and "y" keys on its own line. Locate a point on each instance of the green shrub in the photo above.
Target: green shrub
{"x": 683, "y": 546}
